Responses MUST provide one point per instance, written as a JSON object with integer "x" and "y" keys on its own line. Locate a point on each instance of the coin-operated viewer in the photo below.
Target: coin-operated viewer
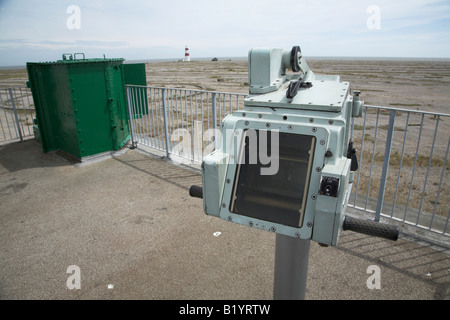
{"x": 285, "y": 163}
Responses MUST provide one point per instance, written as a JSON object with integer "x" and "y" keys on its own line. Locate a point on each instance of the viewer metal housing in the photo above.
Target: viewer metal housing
{"x": 299, "y": 123}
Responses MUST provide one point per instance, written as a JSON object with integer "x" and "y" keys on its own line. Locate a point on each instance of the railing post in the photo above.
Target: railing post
{"x": 166, "y": 125}
{"x": 15, "y": 113}
{"x": 130, "y": 114}
{"x": 214, "y": 115}
{"x": 384, "y": 172}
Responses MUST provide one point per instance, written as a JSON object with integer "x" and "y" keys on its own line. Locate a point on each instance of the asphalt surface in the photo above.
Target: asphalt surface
{"x": 130, "y": 228}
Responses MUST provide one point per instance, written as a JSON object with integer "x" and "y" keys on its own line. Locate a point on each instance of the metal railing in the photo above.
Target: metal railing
{"x": 16, "y": 114}
{"x": 180, "y": 122}
{"x": 402, "y": 153}
{"x": 403, "y": 161}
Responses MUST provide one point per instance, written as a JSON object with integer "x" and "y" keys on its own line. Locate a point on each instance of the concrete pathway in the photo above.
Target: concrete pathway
{"x": 130, "y": 228}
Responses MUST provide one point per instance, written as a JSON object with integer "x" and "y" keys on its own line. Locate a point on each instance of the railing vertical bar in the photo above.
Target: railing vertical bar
{"x": 176, "y": 108}
{"x": 129, "y": 91}
{"x": 440, "y": 185}
{"x": 361, "y": 154}
{"x": 203, "y": 125}
{"x": 24, "y": 123}
{"x": 147, "y": 117}
{"x": 8, "y": 120}
{"x": 446, "y": 222}
{"x": 214, "y": 116}
{"x": 136, "y": 109}
{"x": 166, "y": 125}
{"x": 192, "y": 127}
{"x": 384, "y": 172}
{"x": 199, "y": 132}
{"x": 220, "y": 108}
{"x": 1, "y": 122}
{"x": 158, "y": 121}
{"x": 174, "y": 123}
{"x": 142, "y": 119}
{"x": 169, "y": 112}
{"x": 31, "y": 109}
{"x": 207, "y": 110}
{"x": 157, "y": 105}
{"x": 19, "y": 111}
{"x": 373, "y": 159}
{"x": 183, "y": 116}
{"x": 414, "y": 167}
{"x": 140, "y": 97}
{"x": 152, "y": 119}
{"x": 130, "y": 116}
{"x": 185, "y": 147}
{"x": 161, "y": 120}
{"x": 15, "y": 114}
{"x": 401, "y": 164}
{"x": 428, "y": 170}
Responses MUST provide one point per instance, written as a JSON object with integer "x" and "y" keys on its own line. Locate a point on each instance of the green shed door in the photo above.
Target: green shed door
{"x": 135, "y": 75}
{"x": 117, "y": 106}
{"x": 90, "y": 108}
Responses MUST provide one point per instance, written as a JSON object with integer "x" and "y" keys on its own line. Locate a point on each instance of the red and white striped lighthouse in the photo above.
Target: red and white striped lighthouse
{"x": 186, "y": 54}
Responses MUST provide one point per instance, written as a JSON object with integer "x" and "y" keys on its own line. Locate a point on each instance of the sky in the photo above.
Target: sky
{"x": 34, "y": 31}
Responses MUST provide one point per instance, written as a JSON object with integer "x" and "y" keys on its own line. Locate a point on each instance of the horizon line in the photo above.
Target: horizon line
{"x": 180, "y": 59}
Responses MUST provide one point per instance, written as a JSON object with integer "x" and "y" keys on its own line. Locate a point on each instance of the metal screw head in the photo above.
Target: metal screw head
{"x": 268, "y": 125}
{"x": 318, "y": 169}
{"x": 260, "y": 115}
{"x": 311, "y": 120}
{"x": 229, "y": 218}
{"x": 273, "y": 229}
{"x": 297, "y": 235}
{"x": 228, "y": 180}
{"x": 322, "y": 142}
{"x": 224, "y": 205}
{"x": 314, "y": 129}
{"x": 289, "y": 127}
{"x": 309, "y": 224}
{"x": 244, "y": 114}
{"x": 246, "y": 123}
{"x": 330, "y": 121}
{"x": 250, "y": 223}
{"x": 314, "y": 197}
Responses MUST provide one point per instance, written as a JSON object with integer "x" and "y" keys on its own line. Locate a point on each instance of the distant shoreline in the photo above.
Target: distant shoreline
{"x": 311, "y": 58}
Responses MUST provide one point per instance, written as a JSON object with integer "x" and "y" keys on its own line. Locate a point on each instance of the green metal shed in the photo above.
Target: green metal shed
{"x": 80, "y": 104}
